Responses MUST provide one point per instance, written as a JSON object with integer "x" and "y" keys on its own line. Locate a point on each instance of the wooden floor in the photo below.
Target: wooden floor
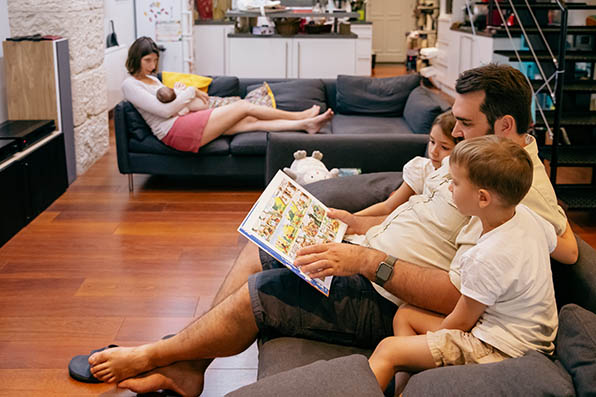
{"x": 103, "y": 265}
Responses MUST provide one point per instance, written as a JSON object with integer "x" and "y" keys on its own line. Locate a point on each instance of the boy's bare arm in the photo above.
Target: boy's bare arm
{"x": 465, "y": 315}
{"x": 356, "y": 224}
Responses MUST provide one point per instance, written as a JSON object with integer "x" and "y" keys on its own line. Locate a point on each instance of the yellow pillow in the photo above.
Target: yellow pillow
{"x": 192, "y": 80}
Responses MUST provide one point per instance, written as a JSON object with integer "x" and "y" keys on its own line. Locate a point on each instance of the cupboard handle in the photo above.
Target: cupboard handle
{"x": 298, "y": 59}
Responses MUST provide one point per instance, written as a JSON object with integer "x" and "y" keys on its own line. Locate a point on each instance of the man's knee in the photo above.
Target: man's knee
{"x": 249, "y": 258}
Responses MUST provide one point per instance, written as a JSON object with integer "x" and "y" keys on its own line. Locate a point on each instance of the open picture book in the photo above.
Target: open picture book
{"x": 286, "y": 218}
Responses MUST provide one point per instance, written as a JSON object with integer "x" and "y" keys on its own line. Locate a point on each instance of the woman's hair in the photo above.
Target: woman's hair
{"x": 506, "y": 92}
{"x": 141, "y": 47}
{"x": 446, "y": 121}
{"x": 496, "y": 164}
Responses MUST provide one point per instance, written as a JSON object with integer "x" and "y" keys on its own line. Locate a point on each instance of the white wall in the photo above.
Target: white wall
{"x": 4, "y": 33}
{"x": 122, "y": 13}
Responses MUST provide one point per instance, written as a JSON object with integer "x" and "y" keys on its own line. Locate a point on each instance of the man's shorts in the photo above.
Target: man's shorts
{"x": 285, "y": 305}
{"x": 456, "y": 347}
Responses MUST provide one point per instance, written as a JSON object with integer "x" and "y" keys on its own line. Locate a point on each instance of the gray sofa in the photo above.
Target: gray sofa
{"x": 299, "y": 367}
{"x": 379, "y": 112}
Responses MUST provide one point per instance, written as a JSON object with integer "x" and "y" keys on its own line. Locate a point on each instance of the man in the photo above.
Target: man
{"x": 423, "y": 234}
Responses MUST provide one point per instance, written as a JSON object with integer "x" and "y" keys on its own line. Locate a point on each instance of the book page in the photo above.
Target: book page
{"x": 286, "y": 218}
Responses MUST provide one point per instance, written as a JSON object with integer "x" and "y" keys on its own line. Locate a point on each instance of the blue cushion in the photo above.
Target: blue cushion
{"x": 136, "y": 126}
{"x": 343, "y": 124}
{"x": 380, "y": 97}
{"x": 576, "y": 347}
{"x": 421, "y": 110}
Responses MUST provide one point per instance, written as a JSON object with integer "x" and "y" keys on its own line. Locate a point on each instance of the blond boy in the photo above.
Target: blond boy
{"x": 507, "y": 305}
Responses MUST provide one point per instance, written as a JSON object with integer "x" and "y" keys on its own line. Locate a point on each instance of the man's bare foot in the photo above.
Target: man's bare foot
{"x": 113, "y": 365}
{"x": 315, "y": 124}
{"x": 310, "y": 112}
{"x": 185, "y": 378}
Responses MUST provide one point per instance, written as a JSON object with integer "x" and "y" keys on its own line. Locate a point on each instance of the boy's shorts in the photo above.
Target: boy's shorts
{"x": 455, "y": 347}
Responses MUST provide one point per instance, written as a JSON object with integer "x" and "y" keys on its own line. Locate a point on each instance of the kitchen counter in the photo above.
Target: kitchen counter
{"x": 296, "y": 36}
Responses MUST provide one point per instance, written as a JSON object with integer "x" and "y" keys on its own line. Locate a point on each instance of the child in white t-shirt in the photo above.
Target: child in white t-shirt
{"x": 440, "y": 145}
{"x": 507, "y": 306}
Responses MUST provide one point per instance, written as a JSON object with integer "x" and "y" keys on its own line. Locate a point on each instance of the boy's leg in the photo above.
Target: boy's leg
{"x": 412, "y": 320}
{"x": 405, "y": 353}
{"x": 408, "y": 321}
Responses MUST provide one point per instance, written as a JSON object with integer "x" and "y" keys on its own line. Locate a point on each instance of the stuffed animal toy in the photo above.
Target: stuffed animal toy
{"x": 309, "y": 169}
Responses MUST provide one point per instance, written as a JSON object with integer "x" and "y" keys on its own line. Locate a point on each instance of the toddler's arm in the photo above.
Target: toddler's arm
{"x": 566, "y": 250}
{"x": 397, "y": 198}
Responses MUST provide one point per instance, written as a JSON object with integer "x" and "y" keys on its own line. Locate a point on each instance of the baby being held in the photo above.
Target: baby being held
{"x": 167, "y": 95}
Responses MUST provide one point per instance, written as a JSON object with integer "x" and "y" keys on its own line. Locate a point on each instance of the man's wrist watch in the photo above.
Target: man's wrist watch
{"x": 385, "y": 270}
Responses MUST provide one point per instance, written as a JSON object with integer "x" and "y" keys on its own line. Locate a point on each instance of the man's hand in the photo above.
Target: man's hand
{"x": 336, "y": 259}
{"x": 356, "y": 224}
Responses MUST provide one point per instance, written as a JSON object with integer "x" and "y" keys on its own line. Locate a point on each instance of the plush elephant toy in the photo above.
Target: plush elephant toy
{"x": 306, "y": 170}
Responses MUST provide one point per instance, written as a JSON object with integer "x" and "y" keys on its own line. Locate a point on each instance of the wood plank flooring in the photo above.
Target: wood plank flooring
{"x": 103, "y": 265}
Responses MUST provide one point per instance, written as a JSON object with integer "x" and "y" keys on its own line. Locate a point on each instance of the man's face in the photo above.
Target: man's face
{"x": 471, "y": 122}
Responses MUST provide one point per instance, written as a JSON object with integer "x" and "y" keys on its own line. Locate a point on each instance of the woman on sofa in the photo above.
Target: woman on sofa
{"x": 195, "y": 129}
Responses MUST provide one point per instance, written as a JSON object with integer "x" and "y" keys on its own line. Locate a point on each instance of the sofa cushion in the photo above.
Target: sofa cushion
{"x": 224, "y": 86}
{"x": 576, "y": 346}
{"x": 344, "y": 124}
{"x": 249, "y": 144}
{"x": 531, "y": 375}
{"x": 135, "y": 124}
{"x": 380, "y": 97}
{"x": 297, "y": 95}
{"x": 217, "y": 147}
{"x": 340, "y": 377}
{"x": 353, "y": 193}
{"x": 421, "y": 110}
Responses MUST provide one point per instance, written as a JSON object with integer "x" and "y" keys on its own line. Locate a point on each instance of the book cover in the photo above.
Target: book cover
{"x": 286, "y": 218}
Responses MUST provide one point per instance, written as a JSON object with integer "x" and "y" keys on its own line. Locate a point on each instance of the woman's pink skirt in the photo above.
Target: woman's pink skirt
{"x": 187, "y": 131}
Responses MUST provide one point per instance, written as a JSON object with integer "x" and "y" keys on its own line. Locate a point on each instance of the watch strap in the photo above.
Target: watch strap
{"x": 389, "y": 262}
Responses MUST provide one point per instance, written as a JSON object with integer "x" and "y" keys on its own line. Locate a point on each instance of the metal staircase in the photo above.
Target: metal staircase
{"x": 565, "y": 126}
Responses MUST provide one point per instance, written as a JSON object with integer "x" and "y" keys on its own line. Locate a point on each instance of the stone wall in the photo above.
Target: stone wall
{"x": 81, "y": 22}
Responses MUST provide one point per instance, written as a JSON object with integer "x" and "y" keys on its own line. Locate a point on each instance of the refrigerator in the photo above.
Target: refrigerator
{"x": 169, "y": 24}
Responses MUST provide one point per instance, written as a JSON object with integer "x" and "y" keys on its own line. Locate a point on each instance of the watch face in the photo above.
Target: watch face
{"x": 384, "y": 271}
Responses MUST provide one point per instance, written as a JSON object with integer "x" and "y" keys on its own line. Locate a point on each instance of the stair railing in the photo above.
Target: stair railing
{"x": 558, "y": 75}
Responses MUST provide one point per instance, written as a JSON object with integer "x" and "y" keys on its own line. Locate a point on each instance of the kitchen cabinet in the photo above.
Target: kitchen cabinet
{"x": 324, "y": 58}
{"x": 363, "y": 48}
{"x": 261, "y": 58}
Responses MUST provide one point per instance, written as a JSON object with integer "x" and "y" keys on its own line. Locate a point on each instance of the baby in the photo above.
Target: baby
{"x": 167, "y": 95}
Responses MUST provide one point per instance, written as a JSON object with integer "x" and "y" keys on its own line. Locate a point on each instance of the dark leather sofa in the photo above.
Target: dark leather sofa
{"x": 396, "y": 111}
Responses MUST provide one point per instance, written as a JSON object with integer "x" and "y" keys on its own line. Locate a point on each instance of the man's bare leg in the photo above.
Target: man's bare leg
{"x": 228, "y": 329}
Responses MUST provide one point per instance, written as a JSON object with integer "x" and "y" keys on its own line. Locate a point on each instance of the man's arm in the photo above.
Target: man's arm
{"x": 423, "y": 287}
{"x": 566, "y": 250}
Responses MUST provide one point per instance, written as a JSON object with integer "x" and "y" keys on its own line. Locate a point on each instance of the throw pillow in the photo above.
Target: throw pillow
{"x": 191, "y": 80}
{"x": 224, "y": 86}
{"x": 297, "y": 95}
{"x": 421, "y": 110}
{"x": 382, "y": 97}
{"x": 135, "y": 124}
{"x": 531, "y": 375}
{"x": 576, "y": 346}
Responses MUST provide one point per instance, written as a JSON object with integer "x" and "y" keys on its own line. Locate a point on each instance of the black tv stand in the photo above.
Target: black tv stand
{"x": 32, "y": 175}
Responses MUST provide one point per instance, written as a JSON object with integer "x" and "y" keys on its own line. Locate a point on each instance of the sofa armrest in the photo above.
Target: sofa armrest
{"x": 369, "y": 152}
{"x": 121, "y": 139}
{"x": 577, "y": 283}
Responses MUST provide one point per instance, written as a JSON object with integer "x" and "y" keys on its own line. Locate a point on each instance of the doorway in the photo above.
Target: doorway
{"x": 391, "y": 19}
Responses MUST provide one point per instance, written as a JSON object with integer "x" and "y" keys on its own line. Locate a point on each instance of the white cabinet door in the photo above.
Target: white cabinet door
{"x": 260, "y": 57}
{"x": 210, "y": 48}
{"x": 363, "y": 49}
{"x": 324, "y": 58}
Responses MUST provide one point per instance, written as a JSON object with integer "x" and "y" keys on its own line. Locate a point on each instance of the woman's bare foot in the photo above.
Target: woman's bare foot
{"x": 185, "y": 378}
{"x": 113, "y": 365}
{"x": 314, "y": 125}
{"x": 309, "y": 113}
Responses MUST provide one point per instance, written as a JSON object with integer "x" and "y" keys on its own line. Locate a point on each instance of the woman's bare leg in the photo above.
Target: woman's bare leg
{"x": 230, "y": 122}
